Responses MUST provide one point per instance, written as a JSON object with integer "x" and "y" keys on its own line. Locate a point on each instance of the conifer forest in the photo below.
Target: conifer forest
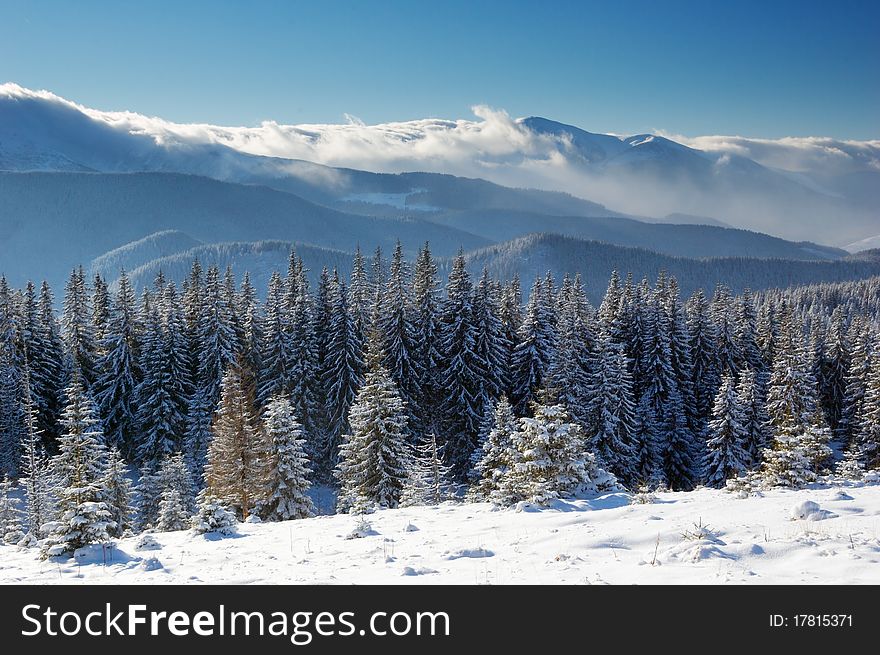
{"x": 166, "y": 408}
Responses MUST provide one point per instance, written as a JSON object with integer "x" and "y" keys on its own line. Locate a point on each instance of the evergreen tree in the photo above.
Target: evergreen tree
{"x": 237, "y": 471}
{"x": 45, "y": 353}
{"x": 35, "y": 475}
{"x": 213, "y": 517}
{"x": 726, "y": 457}
{"x": 798, "y": 446}
{"x": 867, "y": 438}
{"x": 614, "y": 437}
{"x": 461, "y": 370}
{"x": 428, "y": 358}
{"x": 427, "y": 482}
{"x": 702, "y": 337}
{"x": 573, "y": 364}
{"x": 118, "y": 371}
{"x": 496, "y": 457}
{"x": 100, "y": 314}
{"x": 147, "y": 496}
{"x": 862, "y": 341}
{"x": 79, "y": 471}
{"x": 174, "y": 497}
{"x": 251, "y": 324}
{"x": 752, "y": 399}
{"x": 553, "y": 462}
{"x": 532, "y": 354}
{"x": 275, "y": 349}
{"x": 10, "y": 519}
{"x": 116, "y": 493}
{"x": 217, "y": 335}
{"x": 305, "y": 374}
{"x": 490, "y": 346}
{"x": 289, "y": 474}
{"x": 78, "y": 329}
{"x": 399, "y": 336}
{"x": 722, "y": 313}
{"x": 342, "y": 376}
{"x": 375, "y": 456}
{"x": 360, "y": 295}
{"x": 746, "y": 333}
{"x": 161, "y": 392}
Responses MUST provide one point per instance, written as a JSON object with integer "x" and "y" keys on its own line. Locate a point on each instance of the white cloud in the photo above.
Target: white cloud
{"x": 797, "y": 154}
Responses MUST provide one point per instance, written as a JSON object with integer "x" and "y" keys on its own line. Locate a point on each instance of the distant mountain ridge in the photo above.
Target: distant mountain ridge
{"x": 641, "y": 175}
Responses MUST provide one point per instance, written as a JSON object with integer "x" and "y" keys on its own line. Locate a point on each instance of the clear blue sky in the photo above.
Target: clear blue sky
{"x": 759, "y": 68}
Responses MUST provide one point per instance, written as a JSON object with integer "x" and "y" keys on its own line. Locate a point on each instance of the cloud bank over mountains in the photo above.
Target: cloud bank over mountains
{"x": 797, "y": 187}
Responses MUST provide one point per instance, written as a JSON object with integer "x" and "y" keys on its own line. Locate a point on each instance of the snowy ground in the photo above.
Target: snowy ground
{"x": 603, "y": 540}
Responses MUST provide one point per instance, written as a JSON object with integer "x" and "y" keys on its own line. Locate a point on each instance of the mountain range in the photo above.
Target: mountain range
{"x": 118, "y": 189}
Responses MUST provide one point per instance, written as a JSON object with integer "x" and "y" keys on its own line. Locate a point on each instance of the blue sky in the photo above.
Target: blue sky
{"x": 764, "y": 69}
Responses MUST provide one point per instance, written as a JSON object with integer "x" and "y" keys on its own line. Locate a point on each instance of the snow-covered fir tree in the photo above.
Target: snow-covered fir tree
{"x": 213, "y": 517}
{"x": 275, "y": 348}
{"x": 755, "y": 421}
{"x": 78, "y": 472}
{"x": 289, "y": 473}
{"x": 78, "y": 329}
{"x": 461, "y": 372}
{"x": 217, "y": 338}
{"x": 726, "y": 455}
{"x": 553, "y": 459}
{"x": 116, "y": 492}
{"x": 614, "y": 422}
{"x": 574, "y": 361}
{"x": 702, "y": 338}
{"x": 118, "y": 372}
{"x": 342, "y": 376}
{"x": 35, "y": 475}
{"x": 10, "y": 515}
{"x": 867, "y": 436}
{"x": 427, "y": 481}
{"x": 396, "y": 322}
{"x": 533, "y": 352}
{"x": 496, "y": 457}
{"x": 375, "y": 456}
{"x": 426, "y": 301}
{"x": 799, "y": 436}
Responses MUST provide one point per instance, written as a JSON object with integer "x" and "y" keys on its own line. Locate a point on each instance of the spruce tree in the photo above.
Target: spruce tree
{"x": 496, "y": 457}
{"x": 276, "y": 352}
{"x": 426, "y": 302}
{"x": 79, "y": 471}
{"x": 726, "y": 455}
{"x": 237, "y": 471}
{"x": 752, "y": 399}
{"x": 399, "y": 336}
{"x": 342, "y": 376}
{"x": 116, "y": 492}
{"x": 78, "y": 328}
{"x": 118, "y": 371}
{"x": 427, "y": 481}
{"x": 289, "y": 473}
{"x": 553, "y": 460}
{"x": 461, "y": 372}
{"x": 375, "y": 456}
{"x": 35, "y": 475}
{"x": 614, "y": 436}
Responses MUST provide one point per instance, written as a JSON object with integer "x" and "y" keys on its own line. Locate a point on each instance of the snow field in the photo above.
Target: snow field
{"x": 706, "y": 536}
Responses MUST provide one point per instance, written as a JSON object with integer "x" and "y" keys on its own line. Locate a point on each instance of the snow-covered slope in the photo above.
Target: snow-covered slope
{"x": 864, "y": 244}
{"x": 706, "y": 536}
